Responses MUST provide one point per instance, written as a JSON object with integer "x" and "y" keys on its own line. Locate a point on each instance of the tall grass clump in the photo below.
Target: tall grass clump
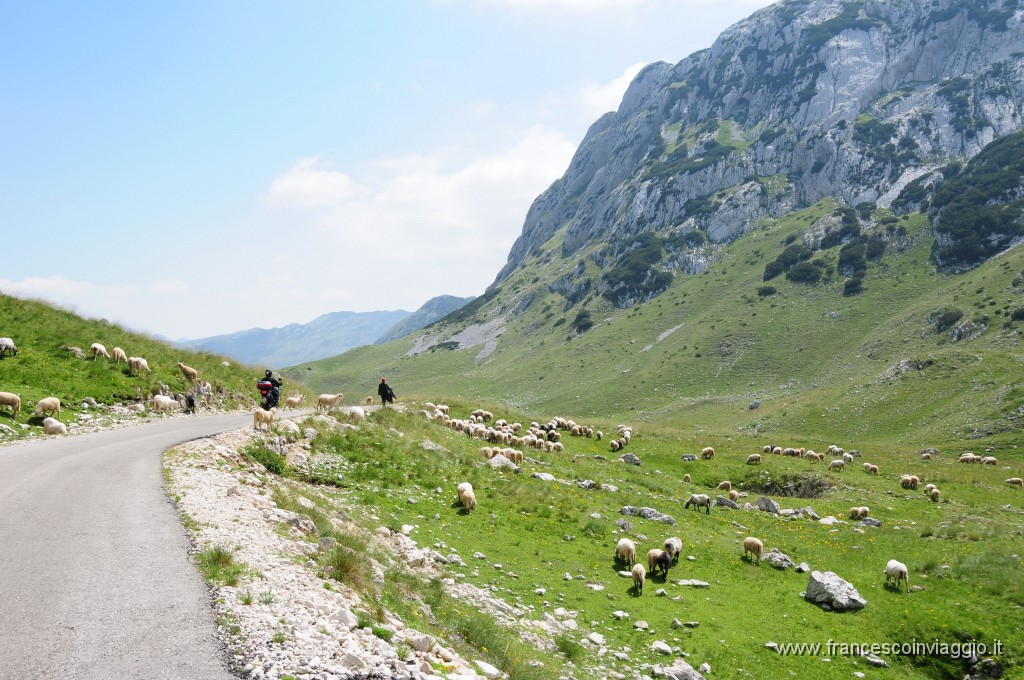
{"x": 218, "y": 566}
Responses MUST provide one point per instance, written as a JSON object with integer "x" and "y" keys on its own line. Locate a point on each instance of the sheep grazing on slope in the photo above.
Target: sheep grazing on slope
{"x": 47, "y": 405}
{"x": 707, "y": 453}
{"x": 7, "y": 347}
{"x": 137, "y": 365}
{"x": 615, "y": 445}
{"x": 734, "y": 495}
{"x": 12, "y": 400}
{"x": 698, "y": 501}
{"x": 928, "y": 489}
{"x": 894, "y": 571}
{"x": 686, "y": 479}
{"x": 190, "y": 373}
{"x": 837, "y": 465}
{"x": 119, "y": 355}
{"x": 599, "y": 435}
{"x": 859, "y": 512}
{"x": 54, "y": 426}
{"x": 754, "y": 459}
{"x": 658, "y": 559}
{"x": 754, "y": 546}
{"x": 98, "y": 350}
{"x": 164, "y": 403}
{"x": 934, "y": 495}
{"x": 1016, "y": 481}
{"x": 625, "y": 550}
{"x": 368, "y": 400}
{"x": 725, "y": 485}
{"x": 468, "y": 498}
{"x": 990, "y": 460}
{"x": 674, "y": 546}
{"x": 926, "y": 456}
{"x": 293, "y": 401}
{"x": 328, "y": 401}
{"x": 909, "y": 481}
{"x": 355, "y": 414}
{"x": 264, "y": 418}
{"x": 639, "y": 574}
{"x": 871, "y": 469}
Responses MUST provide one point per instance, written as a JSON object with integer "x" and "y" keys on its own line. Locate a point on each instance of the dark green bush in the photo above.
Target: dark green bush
{"x": 269, "y": 459}
{"x": 854, "y": 286}
{"x": 804, "y": 272}
{"x": 772, "y": 269}
{"x": 766, "y": 291}
{"x": 947, "y": 319}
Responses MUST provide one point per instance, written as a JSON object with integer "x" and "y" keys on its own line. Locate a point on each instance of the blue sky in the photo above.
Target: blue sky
{"x": 196, "y": 168}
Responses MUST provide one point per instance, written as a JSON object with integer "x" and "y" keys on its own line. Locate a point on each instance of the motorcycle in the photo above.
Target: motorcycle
{"x": 270, "y": 394}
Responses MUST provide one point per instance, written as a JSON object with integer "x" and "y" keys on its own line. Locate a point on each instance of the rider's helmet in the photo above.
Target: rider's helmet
{"x": 268, "y": 374}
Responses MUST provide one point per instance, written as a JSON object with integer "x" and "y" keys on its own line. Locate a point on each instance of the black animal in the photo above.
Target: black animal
{"x": 190, "y": 403}
{"x": 663, "y": 562}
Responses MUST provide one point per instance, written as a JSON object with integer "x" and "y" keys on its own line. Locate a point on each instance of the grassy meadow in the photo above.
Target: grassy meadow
{"x": 964, "y": 551}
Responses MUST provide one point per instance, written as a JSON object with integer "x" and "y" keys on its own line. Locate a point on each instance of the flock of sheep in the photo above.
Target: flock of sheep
{"x": 511, "y": 437}
{"x": 49, "y": 405}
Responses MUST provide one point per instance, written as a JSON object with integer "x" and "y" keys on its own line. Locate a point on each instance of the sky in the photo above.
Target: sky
{"x": 196, "y": 168}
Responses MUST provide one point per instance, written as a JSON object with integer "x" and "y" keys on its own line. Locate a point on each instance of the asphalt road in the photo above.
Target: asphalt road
{"x": 95, "y": 578}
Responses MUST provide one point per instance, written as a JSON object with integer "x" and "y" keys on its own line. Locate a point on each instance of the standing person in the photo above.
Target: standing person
{"x": 387, "y": 395}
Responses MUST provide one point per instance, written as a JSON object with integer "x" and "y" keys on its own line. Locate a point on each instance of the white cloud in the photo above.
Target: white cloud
{"x": 309, "y": 183}
{"x": 600, "y": 98}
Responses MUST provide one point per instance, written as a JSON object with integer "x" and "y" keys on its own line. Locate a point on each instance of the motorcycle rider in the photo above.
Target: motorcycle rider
{"x": 275, "y": 390}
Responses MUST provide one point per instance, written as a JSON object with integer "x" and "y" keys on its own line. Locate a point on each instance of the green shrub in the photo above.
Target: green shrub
{"x": 772, "y": 269}
{"x": 766, "y": 291}
{"x": 804, "y": 272}
{"x": 947, "y": 319}
{"x": 1017, "y": 314}
{"x": 273, "y": 461}
{"x": 854, "y": 286}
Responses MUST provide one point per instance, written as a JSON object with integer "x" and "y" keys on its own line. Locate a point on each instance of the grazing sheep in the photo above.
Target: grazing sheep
{"x": 12, "y": 400}
{"x": 776, "y": 450}
{"x": 261, "y": 417}
{"x": 468, "y": 499}
{"x": 97, "y": 349}
{"x": 119, "y": 355}
{"x": 837, "y": 465}
{"x": 724, "y": 486}
{"x": 54, "y": 426}
{"x": 355, "y": 414}
{"x": 928, "y": 489}
{"x": 293, "y": 401}
{"x": 639, "y": 574}
{"x": 926, "y": 456}
{"x": 754, "y": 546}
{"x": 734, "y": 495}
{"x": 137, "y": 365}
{"x": 707, "y": 453}
{"x": 487, "y": 452}
{"x": 368, "y": 400}
{"x": 662, "y": 561}
{"x": 698, "y": 501}
{"x": 871, "y": 469}
{"x": 909, "y": 481}
{"x": 328, "y": 401}
{"x": 7, "y": 347}
{"x": 768, "y": 448}
{"x": 47, "y": 405}
{"x": 190, "y": 403}
{"x": 615, "y": 445}
{"x": 859, "y": 513}
{"x": 190, "y": 373}
{"x": 934, "y": 495}
{"x": 557, "y": 447}
{"x": 653, "y": 555}
{"x": 164, "y": 403}
{"x": 599, "y": 435}
{"x": 686, "y": 479}
{"x": 894, "y": 571}
{"x": 969, "y": 458}
{"x": 674, "y": 546}
{"x": 989, "y": 460}
{"x": 848, "y": 458}
{"x": 625, "y": 550}
{"x": 1016, "y": 481}
{"x": 754, "y": 459}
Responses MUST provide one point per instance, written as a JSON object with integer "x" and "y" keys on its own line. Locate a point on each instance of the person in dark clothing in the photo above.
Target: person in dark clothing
{"x": 384, "y": 391}
{"x": 274, "y": 396}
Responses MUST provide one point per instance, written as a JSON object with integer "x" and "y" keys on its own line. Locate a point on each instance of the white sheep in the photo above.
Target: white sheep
{"x": 137, "y": 365}
{"x": 837, "y": 465}
{"x": 926, "y": 456}
{"x": 47, "y": 405}
{"x": 97, "y": 349}
{"x": 1016, "y": 481}
{"x": 859, "y": 512}
{"x": 707, "y": 453}
{"x": 698, "y": 501}
{"x": 7, "y": 347}
{"x": 54, "y": 426}
{"x": 725, "y": 485}
{"x": 909, "y": 481}
{"x": 754, "y": 546}
{"x": 686, "y": 478}
{"x": 190, "y": 373}
{"x": 164, "y": 403}
{"x": 871, "y": 469}
{"x": 734, "y": 495}
{"x": 625, "y": 550}
{"x": 934, "y": 495}
{"x": 754, "y": 459}
{"x": 328, "y": 401}
{"x": 928, "y": 489}
{"x": 848, "y": 458}
{"x": 639, "y": 574}
{"x": 468, "y": 499}
{"x": 990, "y": 460}
{"x": 894, "y": 571}
{"x": 265, "y": 418}
{"x": 119, "y": 355}
{"x": 11, "y": 399}
{"x": 674, "y": 546}
{"x": 355, "y": 414}
{"x": 293, "y": 401}
{"x": 368, "y": 400}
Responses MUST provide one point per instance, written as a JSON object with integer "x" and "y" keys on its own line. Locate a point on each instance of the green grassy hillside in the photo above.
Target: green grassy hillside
{"x": 45, "y": 368}
{"x": 875, "y": 367}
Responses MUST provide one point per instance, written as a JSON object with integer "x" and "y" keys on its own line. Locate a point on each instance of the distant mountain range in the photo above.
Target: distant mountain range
{"x": 325, "y": 336}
